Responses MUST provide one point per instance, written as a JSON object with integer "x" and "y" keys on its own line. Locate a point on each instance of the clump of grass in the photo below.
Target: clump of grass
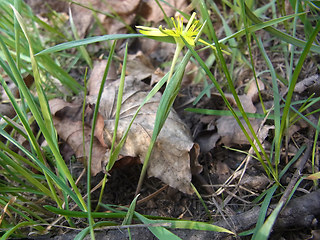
{"x": 58, "y": 187}
{"x": 280, "y": 113}
{"x": 31, "y": 174}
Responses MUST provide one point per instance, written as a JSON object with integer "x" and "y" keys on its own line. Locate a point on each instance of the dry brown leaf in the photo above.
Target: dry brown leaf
{"x": 83, "y": 17}
{"x": 139, "y": 66}
{"x": 310, "y": 86}
{"x": 307, "y": 83}
{"x": 170, "y": 164}
{"x": 232, "y": 134}
{"x": 222, "y": 171}
{"x": 114, "y": 26}
{"x": 228, "y": 128}
{"x": 246, "y": 102}
{"x": 207, "y": 140}
{"x": 252, "y": 91}
{"x": 125, "y": 9}
{"x": 151, "y": 11}
{"x": 39, "y": 8}
{"x": 230, "y": 131}
{"x": 170, "y": 160}
{"x": 6, "y": 109}
{"x": 259, "y": 182}
{"x": 69, "y": 128}
{"x": 97, "y": 72}
{"x": 196, "y": 168}
{"x": 122, "y": 7}
{"x": 158, "y": 52}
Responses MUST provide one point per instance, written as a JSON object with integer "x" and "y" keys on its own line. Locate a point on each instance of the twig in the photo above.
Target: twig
{"x": 152, "y": 195}
{"x": 297, "y": 174}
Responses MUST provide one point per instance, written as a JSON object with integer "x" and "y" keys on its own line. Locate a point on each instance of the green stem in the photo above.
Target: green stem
{"x": 144, "y": 167}
{"x": 174, "y": 60}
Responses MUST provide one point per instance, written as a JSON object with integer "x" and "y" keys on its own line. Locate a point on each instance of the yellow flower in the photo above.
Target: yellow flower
{"x": 179, "y": 32}
{"x": 188, "y": 33}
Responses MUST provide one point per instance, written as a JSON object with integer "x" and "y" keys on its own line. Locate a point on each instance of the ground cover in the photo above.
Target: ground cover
{"x": 118, "y": 121}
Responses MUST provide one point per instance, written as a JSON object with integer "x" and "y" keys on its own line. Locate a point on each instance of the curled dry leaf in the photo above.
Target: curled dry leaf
{"x": 255, "y": 182}
{"x": 231, "y": 133}
{"x": 83, "y": 17}
{"x": 246, "y": 102}
{"x": 170, "y": 160}
{"x": 207, "y": 140}
{"x": 229, "y": 129}
{"x": 253, "y": 91}
{"x": 174, "y": 156}
{"x": 97, "y": 73}
{"x": 67, "y": 121}
{"x": 307, "y": 83}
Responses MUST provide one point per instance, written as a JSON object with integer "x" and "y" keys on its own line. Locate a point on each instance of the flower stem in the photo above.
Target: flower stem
{"x": 174, "y": 60}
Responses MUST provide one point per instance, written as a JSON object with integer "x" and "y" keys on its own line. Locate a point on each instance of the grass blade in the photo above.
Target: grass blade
{"x": 81, "y": 235}
{"x": 118, "y": 108}
{"x": 227, "y": 113}
{"x": 265, "y": 230}
{"x": 283, "y": 36}
{"x": 264, "y": 209}
{"x": 160, "y": 232}
{"x": 276, "y": 105}
{"x": 44, "y": 120}
{"x": 12, "y": 230}
{"x": 260, "y": 25}
{"x": 86, "y": 41}
{"x": 216, "y": 84}
{"x": 82, "y": 49}
{"x": 296, "y": 73}
{"x": 95, "y": 114}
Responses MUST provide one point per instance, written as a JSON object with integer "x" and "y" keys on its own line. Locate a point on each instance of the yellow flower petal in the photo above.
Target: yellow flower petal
{"x": 189, "y": 32}
{"x": 169, "y": 32}
{"x": 149, "y": 31}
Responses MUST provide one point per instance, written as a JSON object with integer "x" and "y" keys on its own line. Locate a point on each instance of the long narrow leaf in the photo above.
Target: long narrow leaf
{"x": 260, "y": 25}
{"x": 81, "y": 235}
{"x": 82, "y": 49}
{"x": 283, "y": 36}
{"x": 296, "y": 74}
{"x": 265, "y": 230}
{"x": 214, "y": 81}
{"x": 264, "y": 209}
{"x": 95, "y": 115}
{"x": 46, "y": 125}
{"x": 82, "y": 42}
{"x": 160, "y": 232}
{"x": 12, "y": 230}
{"x": 118, "y": 108}
{"x": 276, "y": 104}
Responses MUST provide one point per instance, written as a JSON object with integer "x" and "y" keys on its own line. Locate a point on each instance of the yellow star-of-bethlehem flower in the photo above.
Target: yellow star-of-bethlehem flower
{"x": 188, "y": 33}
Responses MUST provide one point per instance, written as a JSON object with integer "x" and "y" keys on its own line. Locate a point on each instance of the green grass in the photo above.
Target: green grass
{"x": 41, "y": 172}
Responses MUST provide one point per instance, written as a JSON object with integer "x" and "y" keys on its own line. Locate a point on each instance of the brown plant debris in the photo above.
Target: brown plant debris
{"x": 170, "y": 160}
